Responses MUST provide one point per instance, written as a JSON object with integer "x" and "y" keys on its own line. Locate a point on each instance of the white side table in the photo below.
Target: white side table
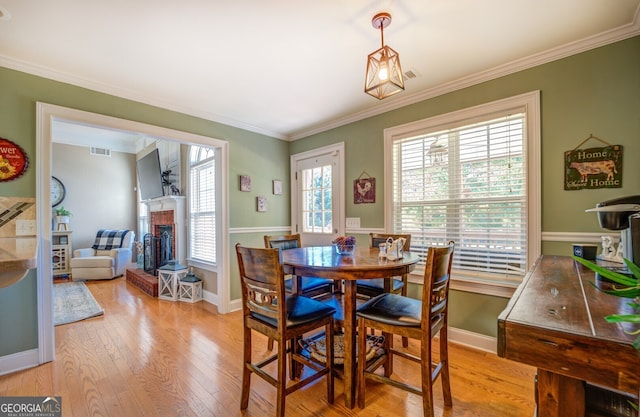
{"x": 168, "y": 283}
{"x": 190, "y": 292}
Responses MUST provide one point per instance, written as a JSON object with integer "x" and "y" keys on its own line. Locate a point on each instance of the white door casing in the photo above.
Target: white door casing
{"x": 330, "y": 160}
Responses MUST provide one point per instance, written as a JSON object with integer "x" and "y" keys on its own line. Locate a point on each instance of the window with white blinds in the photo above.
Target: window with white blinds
{"x": 202, "y": 204}
{"x": 466, "y": 180}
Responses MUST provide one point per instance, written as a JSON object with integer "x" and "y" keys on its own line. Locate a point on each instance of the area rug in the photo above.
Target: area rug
{"x": 72, "y": 301}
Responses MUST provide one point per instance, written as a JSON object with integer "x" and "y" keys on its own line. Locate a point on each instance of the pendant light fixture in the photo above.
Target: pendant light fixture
{"x": 384, "y": 74}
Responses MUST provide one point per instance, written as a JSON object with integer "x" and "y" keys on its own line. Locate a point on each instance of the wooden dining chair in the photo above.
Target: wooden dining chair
{"x": 284, "y": 318}
{"x": 398, "y": 285}
{"x": 309, "y": 286}
{"x": 422, "y": 320}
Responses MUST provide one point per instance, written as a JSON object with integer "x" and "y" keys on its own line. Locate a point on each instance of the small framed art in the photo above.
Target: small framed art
{"x": 277, "y": 187}
{"x": 261, "y": 203}
{"x": 245, "y": 183}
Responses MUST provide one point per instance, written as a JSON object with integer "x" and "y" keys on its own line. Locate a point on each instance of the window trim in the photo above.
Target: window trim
{"x": 530, "y": 102}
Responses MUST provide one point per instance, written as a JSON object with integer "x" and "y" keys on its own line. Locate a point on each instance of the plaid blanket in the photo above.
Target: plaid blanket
{"x": 109, "y": 239}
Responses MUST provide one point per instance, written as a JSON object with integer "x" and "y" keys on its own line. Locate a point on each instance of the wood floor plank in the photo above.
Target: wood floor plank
{"x": 150, "y": 357}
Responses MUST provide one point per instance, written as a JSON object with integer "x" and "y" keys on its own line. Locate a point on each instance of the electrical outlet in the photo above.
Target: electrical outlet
{"x": 353, "y": 222}
{"x": 25, "y": 227}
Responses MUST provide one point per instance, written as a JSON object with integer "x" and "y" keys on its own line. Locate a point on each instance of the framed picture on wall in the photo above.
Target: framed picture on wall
{"x": 245, "y": 183}
{"x": 261, "y": 203}
{"x": 364, "y": 190}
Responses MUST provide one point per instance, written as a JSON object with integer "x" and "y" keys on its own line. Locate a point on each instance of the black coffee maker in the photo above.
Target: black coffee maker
{"x": 623, "y": 214}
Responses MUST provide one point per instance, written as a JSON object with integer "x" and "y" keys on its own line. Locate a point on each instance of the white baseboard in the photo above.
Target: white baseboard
{"x": 474, "y": 340}
{"x": 19, "y": 361}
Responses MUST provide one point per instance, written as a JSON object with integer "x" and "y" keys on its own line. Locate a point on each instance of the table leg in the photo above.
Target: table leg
{"x": 350, "y": 343}
{"x": 559, "y": 396}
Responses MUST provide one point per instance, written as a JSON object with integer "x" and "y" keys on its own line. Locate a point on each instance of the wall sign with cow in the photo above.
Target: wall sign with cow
{"x": 593, "y": 168}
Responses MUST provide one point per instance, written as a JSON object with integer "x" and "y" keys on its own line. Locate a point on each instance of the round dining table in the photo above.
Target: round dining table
{"x": 364, "y": 263}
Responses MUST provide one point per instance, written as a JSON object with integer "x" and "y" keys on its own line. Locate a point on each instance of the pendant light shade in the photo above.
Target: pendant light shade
{"x": 384, "y": 74}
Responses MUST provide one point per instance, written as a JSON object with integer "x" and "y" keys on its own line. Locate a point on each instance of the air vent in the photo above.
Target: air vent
{"x": 100, "y": 151}
{"x": 410, "y": 74}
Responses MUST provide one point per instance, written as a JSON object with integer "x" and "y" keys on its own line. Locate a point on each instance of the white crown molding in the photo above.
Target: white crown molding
{"x": 563, "y": 51}
{"x": 572, "y": 48}
{"x": 33, "y": 69}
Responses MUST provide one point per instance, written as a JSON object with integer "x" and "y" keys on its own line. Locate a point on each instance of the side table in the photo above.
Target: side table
{"x": 168, "y": 279}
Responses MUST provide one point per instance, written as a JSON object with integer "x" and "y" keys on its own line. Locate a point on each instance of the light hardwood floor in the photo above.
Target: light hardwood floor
{"x": 147, "y": 357}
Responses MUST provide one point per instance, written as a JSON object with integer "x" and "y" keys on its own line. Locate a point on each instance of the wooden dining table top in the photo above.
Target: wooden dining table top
{"x": 364, "y": 263}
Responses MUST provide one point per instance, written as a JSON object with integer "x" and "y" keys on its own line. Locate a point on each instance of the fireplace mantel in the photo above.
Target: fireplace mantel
{"x": 177, "y": 205}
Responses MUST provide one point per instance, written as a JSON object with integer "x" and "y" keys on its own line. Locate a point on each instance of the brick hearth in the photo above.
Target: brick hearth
{"x": 146, "y": 282}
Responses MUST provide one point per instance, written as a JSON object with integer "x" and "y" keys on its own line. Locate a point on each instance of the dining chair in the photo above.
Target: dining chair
{"x": 284, "y": 318}
{"x": 398, "y": 285}
{"x": 422, "y": 320}
{"x": 309, "y": 286}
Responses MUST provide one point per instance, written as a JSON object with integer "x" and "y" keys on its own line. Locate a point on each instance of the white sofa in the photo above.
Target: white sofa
{"x": 106, "y": 259}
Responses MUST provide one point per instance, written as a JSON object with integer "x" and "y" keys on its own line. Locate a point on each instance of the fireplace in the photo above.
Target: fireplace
{"x": 158, "y": 248}
{"x": 167, "y": 220}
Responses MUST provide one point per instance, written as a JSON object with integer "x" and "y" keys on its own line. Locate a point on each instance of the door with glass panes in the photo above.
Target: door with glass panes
{"x": 317, "y": 206}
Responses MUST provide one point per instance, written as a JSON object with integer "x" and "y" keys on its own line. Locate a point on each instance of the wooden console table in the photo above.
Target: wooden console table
{"x": 555, "y": 322}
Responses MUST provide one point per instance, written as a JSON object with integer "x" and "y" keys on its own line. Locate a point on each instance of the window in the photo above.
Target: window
{"x": 202, "y": 204}
{"x": 317, "y": 206}
{"x": 472, "y": 177}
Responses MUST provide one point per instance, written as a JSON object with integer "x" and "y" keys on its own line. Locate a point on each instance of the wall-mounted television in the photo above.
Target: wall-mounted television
{"x": 150, "y": 176}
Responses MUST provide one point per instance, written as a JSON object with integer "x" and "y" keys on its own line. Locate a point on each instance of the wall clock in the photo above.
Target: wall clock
{"x": 57, "y": 191}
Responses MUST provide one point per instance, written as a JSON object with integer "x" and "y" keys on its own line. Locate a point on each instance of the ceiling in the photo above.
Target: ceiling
{"x": 290, "y": 68}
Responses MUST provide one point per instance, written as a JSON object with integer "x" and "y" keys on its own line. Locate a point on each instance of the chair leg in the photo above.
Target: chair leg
{"x": 362, "y": 339}
{"x": 426, "y": 377}
{"x": 444, "y": 359}
{"x": 330, "y": 376}
{"x": 388, "y": 347}
{"x": 270, "y": 344}
{"x": 403, "y": 292}
{"x": 282, "y": 378}
{"x": 246, "y": 370}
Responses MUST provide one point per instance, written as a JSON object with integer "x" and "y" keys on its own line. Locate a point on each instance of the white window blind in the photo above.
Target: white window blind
{"x": 202, "y": 204}
{"x": 466, "y": 182}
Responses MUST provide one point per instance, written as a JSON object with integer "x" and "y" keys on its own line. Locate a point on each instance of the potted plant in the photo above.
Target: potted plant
{"x": 62, "y": 215}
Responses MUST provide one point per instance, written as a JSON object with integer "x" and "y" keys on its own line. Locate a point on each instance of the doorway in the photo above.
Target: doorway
{"x": 317, "y": 198}
{"x": 46, "y": 116}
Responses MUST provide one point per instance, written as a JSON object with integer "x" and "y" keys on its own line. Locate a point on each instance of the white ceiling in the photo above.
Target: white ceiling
{"x": 290, "y": 68}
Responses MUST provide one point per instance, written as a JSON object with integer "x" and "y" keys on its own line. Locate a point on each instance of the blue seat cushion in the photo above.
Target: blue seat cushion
{"x": 308, "y": 283}
{"x": 300, "y": 310}
{"x": 377, "y": 284}
{"x": 392, "y": 309}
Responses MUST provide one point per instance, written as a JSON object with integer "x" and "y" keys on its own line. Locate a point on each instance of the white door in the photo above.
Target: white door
{"x": 317, "y": 201}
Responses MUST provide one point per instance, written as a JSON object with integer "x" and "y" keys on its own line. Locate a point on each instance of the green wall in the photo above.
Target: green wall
{"x": 595, "y": 92}
{"x": 261, "y": 157}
